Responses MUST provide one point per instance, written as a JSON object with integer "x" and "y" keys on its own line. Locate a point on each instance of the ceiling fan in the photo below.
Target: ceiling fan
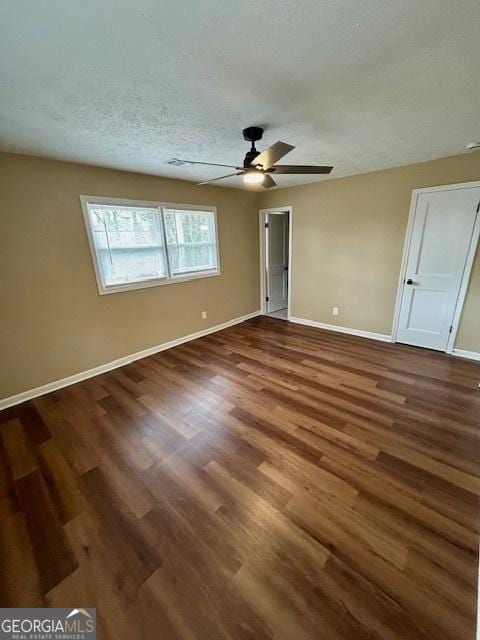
{"x": 258, "y": 167}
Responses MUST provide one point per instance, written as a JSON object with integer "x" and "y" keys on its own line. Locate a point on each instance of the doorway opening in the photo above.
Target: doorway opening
{"x": 442, "y": 237}
{"x": 275, "y": 256}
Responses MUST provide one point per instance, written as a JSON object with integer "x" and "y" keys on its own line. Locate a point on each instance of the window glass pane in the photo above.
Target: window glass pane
{"x": 190, "y": 240}
{"x": 129, "y": 243}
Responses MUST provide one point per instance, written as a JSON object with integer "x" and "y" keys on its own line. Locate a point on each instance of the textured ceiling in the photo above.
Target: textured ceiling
{"x": 360, "y": 84}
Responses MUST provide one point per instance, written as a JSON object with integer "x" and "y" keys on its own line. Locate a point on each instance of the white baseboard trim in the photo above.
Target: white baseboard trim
{"x": 333, "y": 327}
{"x": 120, "y": 362}
{"x": 461, "y": 353}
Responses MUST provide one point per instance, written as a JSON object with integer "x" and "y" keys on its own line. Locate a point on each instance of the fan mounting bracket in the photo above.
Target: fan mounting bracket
{"x": 252, "y": 134}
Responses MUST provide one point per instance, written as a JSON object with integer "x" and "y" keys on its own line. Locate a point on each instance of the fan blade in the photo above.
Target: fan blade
{"x": 268, "y": 157}
{"x": 229, "y": 175}
{"x": 268, "y": 182}
{"x": 291, "y": 168}
{"x": 210, "y": 164}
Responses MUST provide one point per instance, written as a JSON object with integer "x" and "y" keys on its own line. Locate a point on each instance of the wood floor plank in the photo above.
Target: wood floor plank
{"x": 60, "y": 479}
{"x": 8, "y": 497}
{"x": 270, "y": 481}
{"x": 19, "y": 450}
{"x": 126, "y": 535}
{"x": 52, "y": 552}
{"x": 20, "y": 585}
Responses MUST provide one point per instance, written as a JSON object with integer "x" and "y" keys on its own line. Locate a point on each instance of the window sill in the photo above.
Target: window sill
{"x": 157, "y": 282}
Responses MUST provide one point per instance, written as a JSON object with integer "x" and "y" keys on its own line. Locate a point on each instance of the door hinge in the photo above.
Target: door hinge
{"x": 266, "y": 225}
{"x": 450, "y": 331}
{"x": 267, "y": 299}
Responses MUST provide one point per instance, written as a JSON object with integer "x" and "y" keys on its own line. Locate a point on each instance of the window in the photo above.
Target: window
{"x": 190, "y": 240}
{"x": 144, "y": 244}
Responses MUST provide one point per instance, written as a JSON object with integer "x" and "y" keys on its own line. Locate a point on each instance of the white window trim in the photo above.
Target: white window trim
{"x": 154, "y": 282}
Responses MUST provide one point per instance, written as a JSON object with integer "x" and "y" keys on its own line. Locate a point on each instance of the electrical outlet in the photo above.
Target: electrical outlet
{"x": 335, "y": 311}
{"x": 204, "y": 315}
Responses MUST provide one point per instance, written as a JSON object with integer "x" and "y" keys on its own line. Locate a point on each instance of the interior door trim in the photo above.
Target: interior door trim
{"x": 262, "y": 216}
{"x": 468, "y": 263}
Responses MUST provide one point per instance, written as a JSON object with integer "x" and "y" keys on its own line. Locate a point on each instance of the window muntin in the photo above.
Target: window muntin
{"x": 140, "y": 244}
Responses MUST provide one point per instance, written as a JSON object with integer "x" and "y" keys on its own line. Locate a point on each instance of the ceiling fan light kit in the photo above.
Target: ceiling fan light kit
{"x": 253, "y": 177}
{"x": 258, "y": 166}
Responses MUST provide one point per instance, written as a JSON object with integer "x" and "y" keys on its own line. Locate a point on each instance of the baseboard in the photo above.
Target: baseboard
{"x": 120, "y": 362}
{"x": 333, "y": 327}
{"x": 461, "y": 353}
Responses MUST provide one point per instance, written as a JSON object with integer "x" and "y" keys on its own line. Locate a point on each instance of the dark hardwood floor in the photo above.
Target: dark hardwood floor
{"x": 267, "y": 481}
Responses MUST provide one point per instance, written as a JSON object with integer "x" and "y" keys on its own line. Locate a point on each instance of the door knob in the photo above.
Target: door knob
{"x": 409, "y": 281}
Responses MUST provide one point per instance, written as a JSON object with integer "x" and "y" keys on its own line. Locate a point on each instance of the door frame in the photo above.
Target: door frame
{"x": 468, "y": 263}
{"x": 262, "y": 216}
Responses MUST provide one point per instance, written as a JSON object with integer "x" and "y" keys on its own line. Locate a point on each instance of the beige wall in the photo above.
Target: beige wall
{"x": 53, "y": 322}
{"x": 348, "y": 238}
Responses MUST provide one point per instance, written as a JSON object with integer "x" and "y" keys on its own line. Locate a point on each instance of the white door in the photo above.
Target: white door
{"x": 442, "y": 231}
{"x": 277, "y": 261}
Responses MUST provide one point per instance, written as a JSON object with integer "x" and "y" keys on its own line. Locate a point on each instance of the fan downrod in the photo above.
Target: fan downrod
{"x": 251, "y": 134}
